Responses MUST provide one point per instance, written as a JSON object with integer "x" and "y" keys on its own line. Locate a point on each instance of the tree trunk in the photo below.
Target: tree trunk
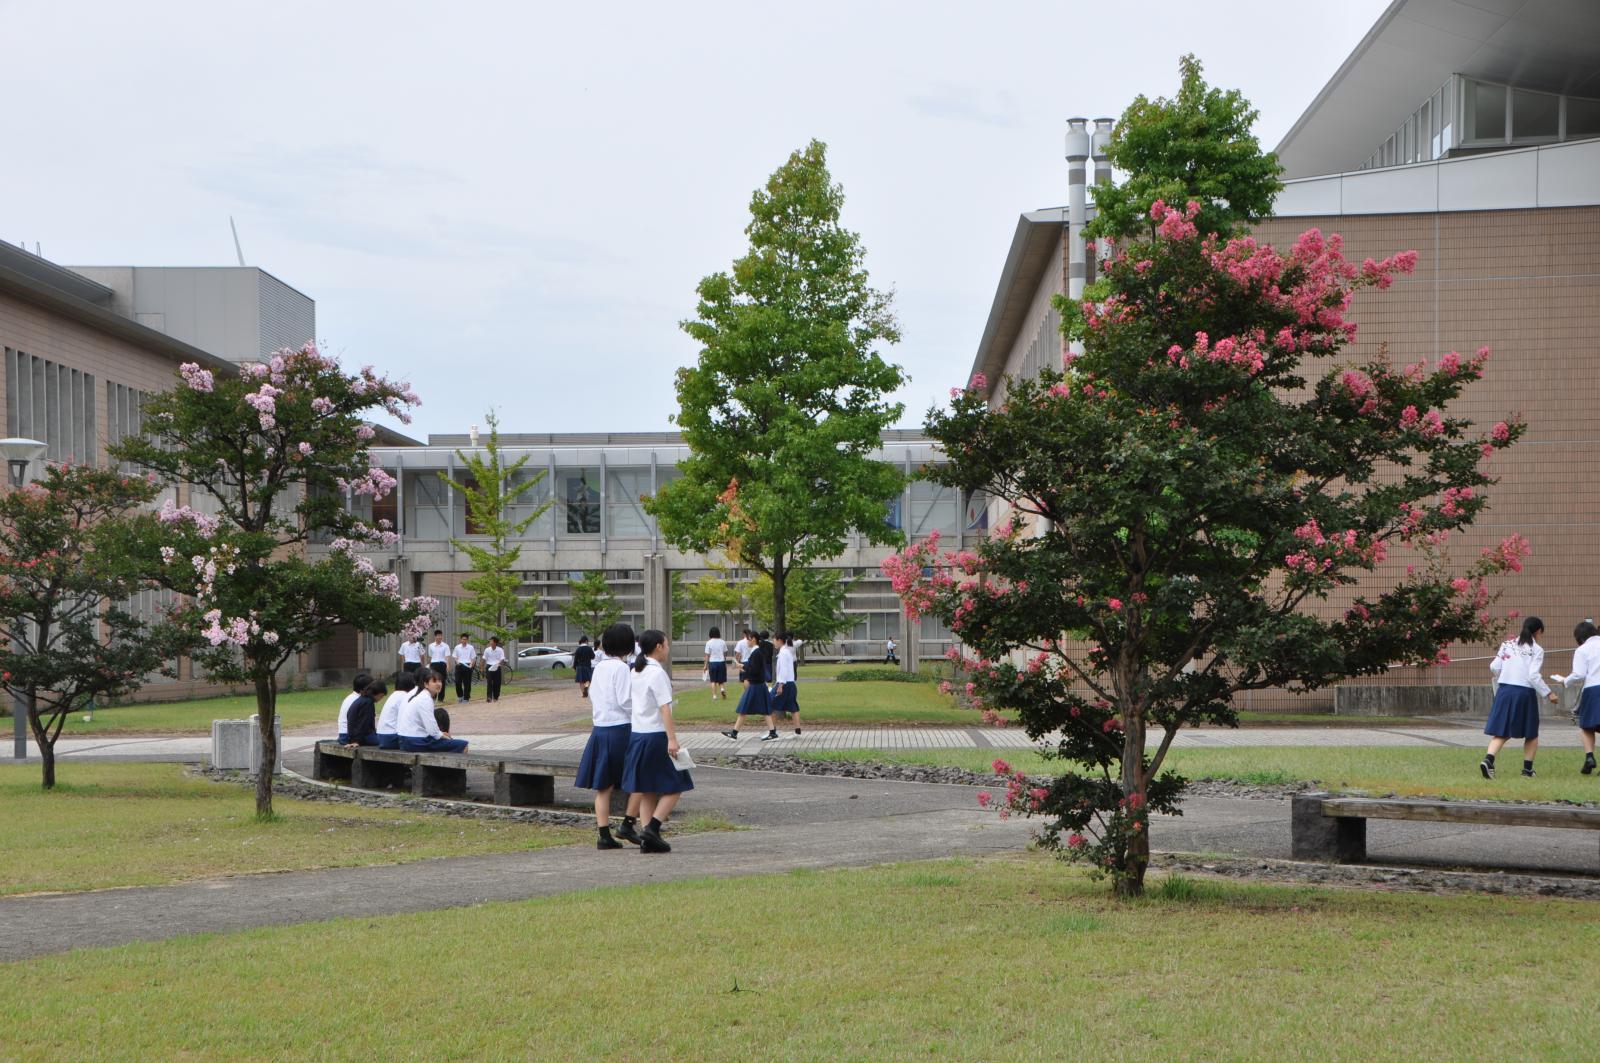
{"x": 266, "y": 714}
{"x": 779, "y": 576}
{"x": 1131, "y": 884}
{"x": 41, "y": 738}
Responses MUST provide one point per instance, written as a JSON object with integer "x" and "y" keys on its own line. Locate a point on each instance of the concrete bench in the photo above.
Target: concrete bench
{"x": 1330, "y": 827}
{"x": 516, "y": 782}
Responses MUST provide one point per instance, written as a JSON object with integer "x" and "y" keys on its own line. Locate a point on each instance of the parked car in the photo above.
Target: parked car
{"x": 547, "y": 657}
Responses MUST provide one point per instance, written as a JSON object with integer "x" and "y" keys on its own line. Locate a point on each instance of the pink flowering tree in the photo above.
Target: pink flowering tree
{"x": 268, "y": 458}
{"x": 1186, "y": 498}
{"x": 69, "y": 549}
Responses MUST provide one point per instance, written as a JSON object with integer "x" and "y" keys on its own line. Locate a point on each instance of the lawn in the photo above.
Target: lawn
{"x": 1009, "y": 958}
{"x": 139, "y": 824}
{"x": 872, "y": 704}
{"x": 1411, "y": 771}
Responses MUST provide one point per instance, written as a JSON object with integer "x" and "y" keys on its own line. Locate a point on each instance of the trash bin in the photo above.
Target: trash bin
{"x": 231, "y": 743}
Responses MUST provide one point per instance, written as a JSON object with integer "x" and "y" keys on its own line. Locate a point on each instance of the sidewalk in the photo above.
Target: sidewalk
{"x": 1556, "y": 736}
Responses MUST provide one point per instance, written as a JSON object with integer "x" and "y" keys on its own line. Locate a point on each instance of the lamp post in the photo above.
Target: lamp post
{"x": 20, "y": 454}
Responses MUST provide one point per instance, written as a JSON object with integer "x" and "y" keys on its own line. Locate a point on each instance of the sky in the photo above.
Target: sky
{"x": 510, "y": 204}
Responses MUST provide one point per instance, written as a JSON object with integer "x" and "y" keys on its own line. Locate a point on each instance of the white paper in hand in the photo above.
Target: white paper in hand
{"x": 683, "y": 761}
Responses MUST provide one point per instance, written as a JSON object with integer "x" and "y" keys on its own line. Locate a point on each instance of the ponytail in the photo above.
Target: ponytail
{"x": 1530, "y": 627}
{"x": 648, "y": 641}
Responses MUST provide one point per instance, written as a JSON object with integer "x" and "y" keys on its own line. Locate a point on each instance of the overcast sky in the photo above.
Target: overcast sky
{"x": 510, "y": 204}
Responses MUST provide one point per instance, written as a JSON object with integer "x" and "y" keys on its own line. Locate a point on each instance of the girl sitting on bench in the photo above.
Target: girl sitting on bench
{"x": 419, "y": 731}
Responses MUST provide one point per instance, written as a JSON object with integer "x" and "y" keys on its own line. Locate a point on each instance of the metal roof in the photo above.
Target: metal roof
{"x": 1416, "y": 45}
{"x": 1035, "y": 241}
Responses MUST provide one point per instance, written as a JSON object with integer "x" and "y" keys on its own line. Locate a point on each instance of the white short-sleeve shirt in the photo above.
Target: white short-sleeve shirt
{"x": 411, "y": 652}
{"x": 416, "y": 716}
{"x": 389, "y": 717}
{"x": 652, "y": 688}
{"x": 1518, "y": 666}
{"x": 785, "y": 668}
{"x": 611, "y": 693}
{"x": 492, "y": 658}
{"x": 465, "y": 654}
{"x": 717, "y": 651}
{"x": 438, "y": 652}
{"x": 741, "y": 650}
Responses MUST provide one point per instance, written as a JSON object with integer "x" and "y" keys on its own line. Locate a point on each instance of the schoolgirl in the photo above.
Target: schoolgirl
{"x": 756, "y": 699}
{"x": 649, "y": 770}
{"x": 600, "y": 770}
{"x": 419, "y": 729}
{"x": 1586, "y": 674}
{"x": 1515, "y": 713}
{"x": 389, "y": 716}
{"x": 363, "y": 721}
{"x": 717, "y": 665}
{"x": 583, "y": 663}
{"x": 785, "y": 698}
{"x": 360, "y": 684}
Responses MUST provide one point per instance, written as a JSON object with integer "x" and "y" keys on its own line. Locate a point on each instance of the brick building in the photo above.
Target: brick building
{"x": 1474, "y": 139}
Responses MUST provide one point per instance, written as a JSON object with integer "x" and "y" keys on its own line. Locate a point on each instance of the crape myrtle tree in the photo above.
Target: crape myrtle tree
{"x": 275, "y": 449}
{"x": 495, "y": 605}
{"x": 786, "y": 403}
{"x": 1195, "y": 486}
{"x": 70, "y": 547}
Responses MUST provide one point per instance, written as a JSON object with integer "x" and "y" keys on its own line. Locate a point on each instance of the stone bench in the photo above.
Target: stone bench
{"x": 1330, "y": 827}
{"x": 516, "y": 782}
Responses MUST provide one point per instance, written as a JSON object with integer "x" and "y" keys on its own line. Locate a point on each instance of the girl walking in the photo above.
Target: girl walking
{"x": 1586, "y": 674}
{"x": 717, "y": 665}
{"x": 600, "y": 770}
{"x": 756, "y": 699}
{"x": 649, "y": 770}
{"x": 1515, "y": 713}
{"x": 583, "y": 662}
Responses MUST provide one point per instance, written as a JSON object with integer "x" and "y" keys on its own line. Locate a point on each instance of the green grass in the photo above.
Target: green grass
{"x": 996, "y": 959}
{"x": 138, "y": 824}
{"x": 1410, "y": 772}
{"x": 838, "y": 704}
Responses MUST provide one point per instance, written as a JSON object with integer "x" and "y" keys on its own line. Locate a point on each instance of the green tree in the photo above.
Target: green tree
{"x": 70, "y": 550}
{"x": 490, "y": 487}
{"x": 1198, "y": 146}
{"x": 592, "y": 607}
{"x": 786, "y": 403}
{"x": 1201, "y": 482}
{"x": 723, "y": 593}
{"x": 276, "y": 449}
{"x": 683, "y": 606}
{"x": 816, "y": 605}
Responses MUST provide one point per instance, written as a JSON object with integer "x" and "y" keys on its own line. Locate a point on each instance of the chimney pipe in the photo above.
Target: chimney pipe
{"x": 1077, "y": 213}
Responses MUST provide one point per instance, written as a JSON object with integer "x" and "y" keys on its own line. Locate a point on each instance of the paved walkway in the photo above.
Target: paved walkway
{"x": 1556, "y": 735}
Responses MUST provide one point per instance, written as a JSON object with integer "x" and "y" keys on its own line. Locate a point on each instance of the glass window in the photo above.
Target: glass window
{"x": 427, "y": 505}
{"x": 1485, "y": 115}
{"x": 580, "y": 498}
{"x": 625, "y": 515}
{"x": 892, "y": 517}
{"x": 1534, "y": 115}
{"x": 1583, "y": 117}
{"x": 933, "y": 506}
{"x": 530, "y": 500}
{"x": 1447, "y": 116}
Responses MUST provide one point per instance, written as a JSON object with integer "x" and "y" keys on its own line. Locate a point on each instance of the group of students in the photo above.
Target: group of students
{"x": 411, "y": 720}
{"x": 463, "y": 657}
{"x": 1515, "y": 713}
{"x": 633, "y": 743}
{"x": 767, "y": 670}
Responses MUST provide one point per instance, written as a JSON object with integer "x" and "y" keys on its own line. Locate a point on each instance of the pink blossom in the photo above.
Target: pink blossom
{"x": 1000, "y": 767}
{"x": 1500, "y": 433}
{"x": 984, "y": 798}
{"x": 978, "y": 382}
{"x": 321, "y": 405}
{"x": 198, "y": 379}
{"x": 1075, "y": 841}
{"x": 305, "y": 450}
{"x": 1450, "y": 364}
{"x": 1115, "y": 604}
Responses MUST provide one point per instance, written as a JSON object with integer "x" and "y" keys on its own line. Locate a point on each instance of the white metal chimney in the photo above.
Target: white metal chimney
{"x": 1077, "y": 212}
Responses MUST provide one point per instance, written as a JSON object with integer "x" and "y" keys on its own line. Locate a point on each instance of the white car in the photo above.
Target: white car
{"x": 547, "y": 657}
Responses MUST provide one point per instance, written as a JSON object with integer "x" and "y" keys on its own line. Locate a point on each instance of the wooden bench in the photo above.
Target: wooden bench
{"x": 516, "y": 782}
{"x": 1330, "y": 827}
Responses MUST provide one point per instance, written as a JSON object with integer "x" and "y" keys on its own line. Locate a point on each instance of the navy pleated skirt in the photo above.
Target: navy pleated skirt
{"x": 1515, "y": 713}
{"x": 786, "y": 700}
{"x": 649, "y": 770}
{"x": 755, "y": 701}
{"x": 391, "y": 741}
{"x": 717, "y": 672}
{"x": 1589, "y": 709}
{"x": 582, "y": 673}
{"x": 603, "y": 756}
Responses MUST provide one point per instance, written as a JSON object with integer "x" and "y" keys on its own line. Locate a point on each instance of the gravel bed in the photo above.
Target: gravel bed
{"x": 303, "y": 789}
{"x": 1407, "y": 879}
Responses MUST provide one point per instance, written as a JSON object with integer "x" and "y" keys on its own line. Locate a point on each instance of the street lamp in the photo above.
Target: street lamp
{"x": 19, "y": 455}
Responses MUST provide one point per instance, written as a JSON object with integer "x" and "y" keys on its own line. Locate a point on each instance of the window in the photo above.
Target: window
{"x": 1583, "y": 118}
{"x": 1447, "y": 116}
{"x": 124, "y": 415}
{"x": 1485, "y": 115}
{"x": 530, "y": 501}
{"x": 580, "y": 497}
{"x": 625, "y": 515}
{"x": 427, "y": 505}
{"x": 1535, "y": 115}
{"x": 52, "y": 404}
{"x": 933, "y": 506}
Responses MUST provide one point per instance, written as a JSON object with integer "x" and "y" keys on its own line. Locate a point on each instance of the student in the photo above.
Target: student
{"x": 756, "y": 699}
{"x": 600, "y": 770}
{"x": 419, "y": 730}
{"x": 785, "y": 697}
{"x": 363, "y": 721}
{"x": 583, "y": 663}
{"x": 463, "y": 655}
{"x": 889, "y": 655}
{"x": 388, "y": 730}
{"x": 1515, "y": 713}
{"x": 717, "y": 665}
{"x": 493, "y": 658}
{"x": 648, "y": 770}
{"x": 360, "y": 684}
{"x": 1586, "y": 675}
{"x": 410, "y": 656}
{"x": 439, "y": 657}
{"x": 741, "y": 649}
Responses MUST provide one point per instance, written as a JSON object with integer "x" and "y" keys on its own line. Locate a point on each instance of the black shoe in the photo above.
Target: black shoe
{"x": 797, "y": 730}
{"x": 729, "y": 734}
{"x": 1527, "y": 773}
{"x": 627, "y": 832}
{"x": 1588, "y": 766}
{"x": 770, "y": 735}
{"x": 607, "y": 842}
{"x": 651, "y": 841}
{"x": 1487, "y": 769}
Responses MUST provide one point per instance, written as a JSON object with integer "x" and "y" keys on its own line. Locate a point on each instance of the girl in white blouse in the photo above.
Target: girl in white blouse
{"x": 1515, "y": 713}
{"x": 649, "y": 770}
